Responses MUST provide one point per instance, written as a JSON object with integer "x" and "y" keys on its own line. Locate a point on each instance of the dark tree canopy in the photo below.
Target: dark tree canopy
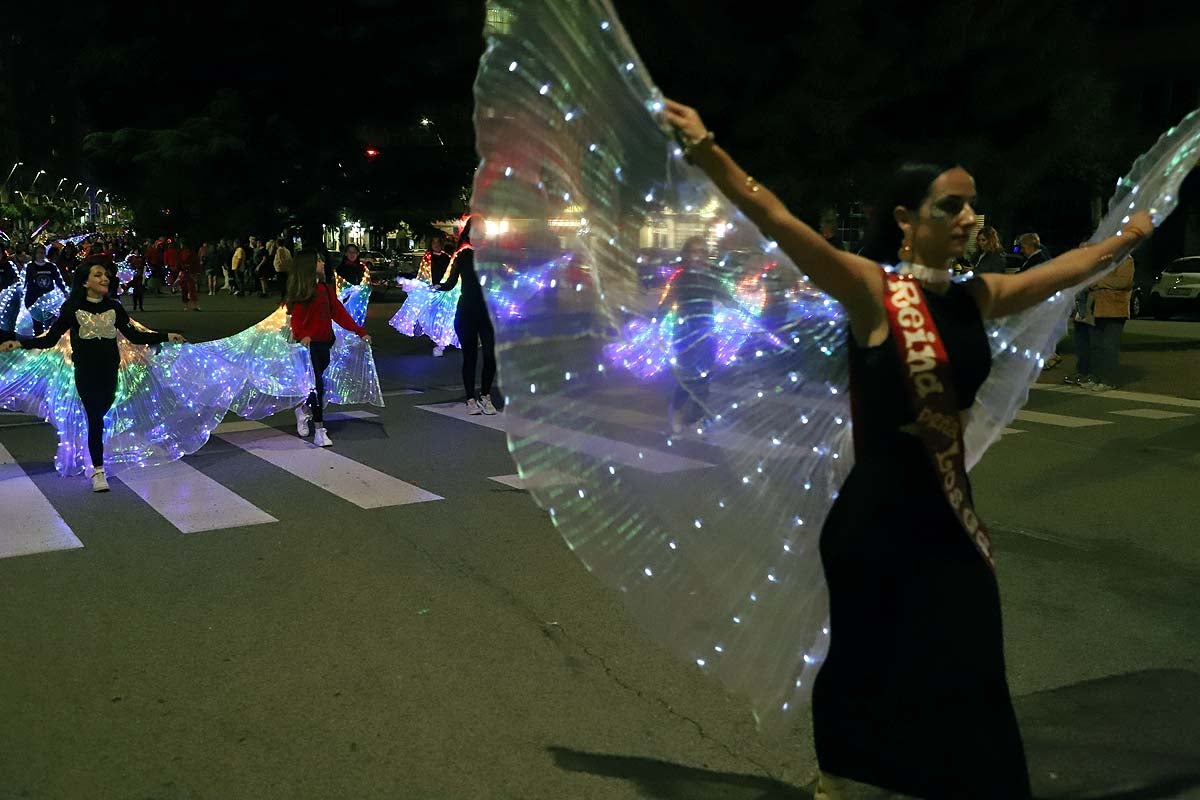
{"x": 239, "y": 115}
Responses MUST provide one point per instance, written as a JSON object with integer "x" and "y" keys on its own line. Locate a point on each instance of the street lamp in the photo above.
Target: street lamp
{"x": 40, "y": 173}
{"x": 61, "y": 181}
{"x": 76, "y": 187}
{"x": 11, "y": 171}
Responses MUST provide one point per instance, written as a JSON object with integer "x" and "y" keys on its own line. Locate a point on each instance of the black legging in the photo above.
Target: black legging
{"x": 474, "y": 326}
{"x": 319, "y": 352}
{"x": 97, "y": 387}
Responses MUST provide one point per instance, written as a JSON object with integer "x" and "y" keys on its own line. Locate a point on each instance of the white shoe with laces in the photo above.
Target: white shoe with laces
{"x": 303, "y": 416}
{"x": 99, "y": 481}
{"x": 473, "y": 407}
{"x": 321, "y": 438}
{"x": 485, "y": 405}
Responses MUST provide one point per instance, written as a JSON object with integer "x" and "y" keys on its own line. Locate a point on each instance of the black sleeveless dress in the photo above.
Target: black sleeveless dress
{"x": 912, "y": 696}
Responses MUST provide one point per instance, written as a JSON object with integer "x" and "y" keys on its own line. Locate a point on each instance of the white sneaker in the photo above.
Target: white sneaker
{"x": 99, "y": 482}
{"x": 473, "y": 407}
{"x": 321, "y": 438}
{"x": 303, "y": 416}
{"x": 439, "y": 351}
{"x": 485, "y": 405}
{"x": 1100, "y": 387}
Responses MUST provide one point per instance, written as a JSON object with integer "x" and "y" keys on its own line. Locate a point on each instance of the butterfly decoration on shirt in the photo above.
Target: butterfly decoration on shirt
{"x": 97, "y": 326}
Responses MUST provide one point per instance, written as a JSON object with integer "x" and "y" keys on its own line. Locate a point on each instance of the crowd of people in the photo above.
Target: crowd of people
{"x": 241, "y": 267}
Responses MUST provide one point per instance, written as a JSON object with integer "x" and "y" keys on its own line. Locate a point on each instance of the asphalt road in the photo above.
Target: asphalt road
{"x": 454, "y": 648}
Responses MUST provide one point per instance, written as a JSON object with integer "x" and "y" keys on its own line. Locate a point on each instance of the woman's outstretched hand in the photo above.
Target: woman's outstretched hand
{"x": 1140, "y": 226}
{"x": 686, "y": 120}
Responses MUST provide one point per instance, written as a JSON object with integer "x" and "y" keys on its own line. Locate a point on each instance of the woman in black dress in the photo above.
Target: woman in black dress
{"x": 472, "y": 325}
{"x": 912, "y": 697}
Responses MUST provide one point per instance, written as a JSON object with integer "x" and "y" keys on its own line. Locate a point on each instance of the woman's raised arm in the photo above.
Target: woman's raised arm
{"x": 1002, "y": 295}
{"x": 850, "y": 279}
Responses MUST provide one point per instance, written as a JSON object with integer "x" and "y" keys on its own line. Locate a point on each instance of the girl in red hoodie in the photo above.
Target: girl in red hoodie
{"x": 314, "y": 307}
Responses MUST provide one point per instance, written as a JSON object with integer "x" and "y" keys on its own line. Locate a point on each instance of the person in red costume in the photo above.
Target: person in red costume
{"x": 171, "y": 262}
{"x": 185, "y": 278}
{"x": 314, "y": 307}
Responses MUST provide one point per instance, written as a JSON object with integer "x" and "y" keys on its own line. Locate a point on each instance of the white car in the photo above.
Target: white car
{"x": 1177, "y": 289}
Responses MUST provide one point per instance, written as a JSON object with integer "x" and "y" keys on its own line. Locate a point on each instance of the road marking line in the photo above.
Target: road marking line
{"x": 342, "y": 416}
{"x": 1059, "y": 420}
{"x": 644, "y": 458}
{"x": 539, "y": 481}
{"x": 28, "y": 424}
{"x": 1008, "y": 431}
{"x": 720, "y": 437}
{"x": 1151, "y": 413}
{"x": 190, "y": 500}
{"x": 28, "y": 523}
{"x": 356, "y": 483}
{"x": 1118, "y": 394}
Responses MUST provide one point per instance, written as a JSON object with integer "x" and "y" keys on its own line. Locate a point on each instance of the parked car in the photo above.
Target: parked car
{"x": 375, "y": 260}
{"x": 1177, "y": 289}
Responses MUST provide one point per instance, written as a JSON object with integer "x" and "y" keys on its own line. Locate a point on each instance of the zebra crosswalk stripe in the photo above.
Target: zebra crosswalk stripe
{"x": 356, "y": 483}
{"x": 29, "y": 524}
{"x": 1060, "y": 420}
{"x": 190, "y": 500}
{"x": 646, "y": 459}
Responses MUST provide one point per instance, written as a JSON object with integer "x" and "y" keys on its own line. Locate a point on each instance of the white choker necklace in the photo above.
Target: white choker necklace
{"x": 923, "y": 273}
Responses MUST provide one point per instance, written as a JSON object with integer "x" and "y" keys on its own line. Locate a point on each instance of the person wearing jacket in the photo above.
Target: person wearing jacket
{"x": 314, "y": 307}
{"x": 1098, "y": 328}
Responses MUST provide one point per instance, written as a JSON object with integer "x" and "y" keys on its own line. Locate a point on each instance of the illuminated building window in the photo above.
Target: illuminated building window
{"x": 499, "y": 20}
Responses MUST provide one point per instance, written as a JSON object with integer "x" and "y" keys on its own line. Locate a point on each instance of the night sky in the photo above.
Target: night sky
{"x": 1039, "y": 100}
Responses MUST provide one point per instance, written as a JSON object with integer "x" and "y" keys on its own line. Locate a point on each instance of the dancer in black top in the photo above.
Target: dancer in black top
{"x": 41, "y": 278}
{"x": 351, "y": 270}
{"x": 690, "y": 293}
{"x": 439, "y": 260}
{"x": 912, "y": 697}
{"x": 93, "y": 320}
{"x": 472, "y": 325}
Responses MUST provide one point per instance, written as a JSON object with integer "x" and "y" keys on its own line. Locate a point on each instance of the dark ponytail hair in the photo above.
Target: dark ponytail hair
{"x": 908, "y": 187}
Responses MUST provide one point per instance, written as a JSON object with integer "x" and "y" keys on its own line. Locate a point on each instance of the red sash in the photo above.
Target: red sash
{"x": 931, "y": 390}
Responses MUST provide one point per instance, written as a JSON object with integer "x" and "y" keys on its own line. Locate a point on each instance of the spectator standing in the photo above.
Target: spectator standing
{"x": 237, "y": 268}
{"x": 1099, "y": 322}
{"x": 991, "y": 255}
{"x": 1030, "y": 245}
{"x": 283, "y": 267}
